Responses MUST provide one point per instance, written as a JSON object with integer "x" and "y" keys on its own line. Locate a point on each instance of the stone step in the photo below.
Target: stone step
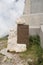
{"x": 17, "y": 47}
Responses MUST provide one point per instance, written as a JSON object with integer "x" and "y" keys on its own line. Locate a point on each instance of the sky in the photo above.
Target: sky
{"x": 10, "y": 10}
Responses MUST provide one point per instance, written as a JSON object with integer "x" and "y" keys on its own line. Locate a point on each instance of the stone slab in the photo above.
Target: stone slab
{"x": 17, "y": 47}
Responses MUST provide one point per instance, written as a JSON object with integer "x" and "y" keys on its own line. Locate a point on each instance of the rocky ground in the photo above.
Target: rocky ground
{"x": 11, "y": 59}
{"x": 7, "y": 58}
{"x": 16, "y": 60}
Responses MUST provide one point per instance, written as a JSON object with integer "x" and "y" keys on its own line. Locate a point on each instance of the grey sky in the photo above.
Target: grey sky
{"x": 10, "y": 10}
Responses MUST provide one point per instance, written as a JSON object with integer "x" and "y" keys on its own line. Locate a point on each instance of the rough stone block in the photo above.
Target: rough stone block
{"x": 17, "y": 47}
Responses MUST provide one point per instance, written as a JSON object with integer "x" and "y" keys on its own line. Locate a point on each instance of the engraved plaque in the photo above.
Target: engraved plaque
{"x": 22, "y": 34}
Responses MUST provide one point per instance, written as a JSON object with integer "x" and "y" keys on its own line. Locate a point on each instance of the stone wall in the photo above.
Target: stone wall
{"x": 33, "y": 12}
{"x": 36, "y": 6}
{"x": 34, "y": 31}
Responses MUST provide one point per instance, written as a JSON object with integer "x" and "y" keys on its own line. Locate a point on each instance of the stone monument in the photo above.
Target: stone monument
{"x": 18, "y": 39}
{"x": 18, "y": 35}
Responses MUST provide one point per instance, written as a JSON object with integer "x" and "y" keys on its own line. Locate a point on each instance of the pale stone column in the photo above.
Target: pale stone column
{"x": 27, "y": 8}
{"x": 26, "y": 14}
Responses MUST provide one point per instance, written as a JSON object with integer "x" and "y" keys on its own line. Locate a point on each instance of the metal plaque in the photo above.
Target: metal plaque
{"x": 22, "y": 34}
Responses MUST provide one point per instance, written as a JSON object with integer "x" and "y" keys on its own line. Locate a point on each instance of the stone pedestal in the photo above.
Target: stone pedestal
{"x": 15, "y": 41}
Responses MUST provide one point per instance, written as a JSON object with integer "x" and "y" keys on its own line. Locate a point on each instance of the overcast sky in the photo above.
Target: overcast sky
{"x": 10, "y": 10}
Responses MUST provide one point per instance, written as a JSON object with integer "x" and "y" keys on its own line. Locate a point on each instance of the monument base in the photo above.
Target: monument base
{"x": 17, "y": 48}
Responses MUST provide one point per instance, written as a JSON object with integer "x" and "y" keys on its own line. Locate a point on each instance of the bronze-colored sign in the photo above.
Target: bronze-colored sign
{"x": 22, "y": 34}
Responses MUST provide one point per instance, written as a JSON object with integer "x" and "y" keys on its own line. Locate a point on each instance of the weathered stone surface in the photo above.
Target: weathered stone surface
{"x": 17, "y": 48}
{"x": 20, "y": 48}
{"x": 21, "y": 21}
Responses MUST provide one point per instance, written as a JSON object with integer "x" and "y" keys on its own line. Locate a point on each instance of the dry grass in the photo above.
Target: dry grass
{"x": 3, "y": 42}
